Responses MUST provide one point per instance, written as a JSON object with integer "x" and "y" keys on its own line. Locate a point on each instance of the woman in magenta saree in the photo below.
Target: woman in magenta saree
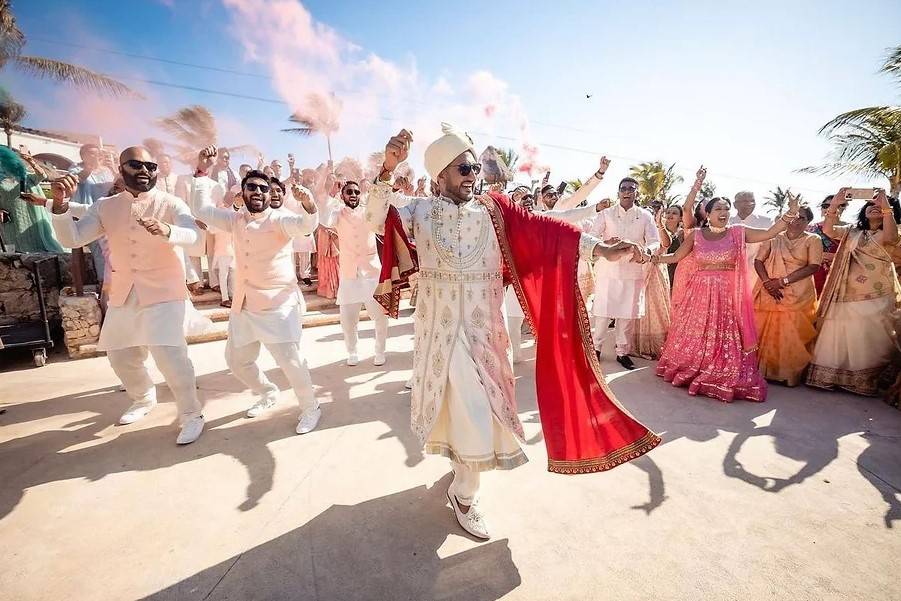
{"x": 712, "y": 343}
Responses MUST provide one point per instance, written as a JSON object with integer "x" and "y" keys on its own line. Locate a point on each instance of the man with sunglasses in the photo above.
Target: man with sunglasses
{"x": 267, "y": 306}
{"x": 358, "y": 271}
{"x": 147, "y": 298}
{"x": 463, "y": 405}
{"x": 551, "y": 199}
{"x": 620, "y": 285}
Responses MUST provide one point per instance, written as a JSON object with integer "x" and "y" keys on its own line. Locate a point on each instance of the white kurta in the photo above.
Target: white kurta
{"x": 282, "y": 324}
{"x": 463, "y": 404}
{"x": 751, "y": 248}
{"x": 619, "y": 285}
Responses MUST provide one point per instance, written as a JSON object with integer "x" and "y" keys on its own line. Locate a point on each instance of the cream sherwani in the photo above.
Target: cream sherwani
{"x": 190, "y": 189}
{"x": 147, "y": 296}
{"x": 463, "y": 404}
{"x": 358, "y": 273}
{"x": 620, "y": 285}
{"x": 267, "y": 306}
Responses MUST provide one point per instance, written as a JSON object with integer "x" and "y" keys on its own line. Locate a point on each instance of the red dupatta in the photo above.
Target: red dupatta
{"x": 585, "y": 429}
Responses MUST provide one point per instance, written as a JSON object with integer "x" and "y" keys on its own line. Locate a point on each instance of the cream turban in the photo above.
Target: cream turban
{"x": 445, "y": 149}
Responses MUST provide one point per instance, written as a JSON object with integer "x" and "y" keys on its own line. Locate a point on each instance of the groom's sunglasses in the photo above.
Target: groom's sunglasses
{"x": 254, "y": 187}
{"x": 137, "y": 165}
{"x": 467, "y": 168}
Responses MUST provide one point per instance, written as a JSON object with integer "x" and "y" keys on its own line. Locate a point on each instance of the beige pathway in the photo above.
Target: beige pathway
{"x": 795, "y": 499}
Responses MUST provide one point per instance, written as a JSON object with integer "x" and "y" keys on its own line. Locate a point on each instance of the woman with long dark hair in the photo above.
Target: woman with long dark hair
{"x": 712, "y": 343}
{"x": 855, "y": 342}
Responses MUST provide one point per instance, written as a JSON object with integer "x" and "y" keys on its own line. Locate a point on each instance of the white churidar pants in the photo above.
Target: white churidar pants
{"x": 241, "y": 361}
{"x": 176, "y": 367}
{"x": 622, "y": 334}
{"x": 350, "y": 318}
{"x": 466, "y": 483}
{"x": 223, "y": 267}
{"x": 303, "y": 264}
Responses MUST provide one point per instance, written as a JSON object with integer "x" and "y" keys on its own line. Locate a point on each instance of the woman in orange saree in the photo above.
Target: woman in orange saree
{"x": 785, "y": 301}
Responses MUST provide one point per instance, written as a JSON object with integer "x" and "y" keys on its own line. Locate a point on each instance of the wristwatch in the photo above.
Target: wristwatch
{"x": 785, "y": 281}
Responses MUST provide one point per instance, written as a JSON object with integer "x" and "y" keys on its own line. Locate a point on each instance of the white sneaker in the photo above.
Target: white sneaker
{"x": 409, "y": 384}
{"x": 379, "y": 359}
{"x": 308, "y": 420}
{"x": 473, "y": 521}
{"x": 137, "y": 411}
{"x": 190, "y": 431}
{"x": 266, "y": 402}
{"x": 352, "y": 360}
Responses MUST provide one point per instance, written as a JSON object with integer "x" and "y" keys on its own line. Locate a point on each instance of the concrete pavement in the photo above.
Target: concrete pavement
{"x": 796, "y": 498}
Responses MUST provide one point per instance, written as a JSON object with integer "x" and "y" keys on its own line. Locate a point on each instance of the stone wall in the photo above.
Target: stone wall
{"x": 81, "y": 320}
{"x": 18, "y": 293}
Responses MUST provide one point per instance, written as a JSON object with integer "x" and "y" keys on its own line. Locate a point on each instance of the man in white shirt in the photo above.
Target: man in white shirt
{"x": 147, "y": 296}
{"x": 166, "y": 180}
{"x": 744, "y": 208}
{"x": 620, "y": 285}
{"x": 267, "y": 307}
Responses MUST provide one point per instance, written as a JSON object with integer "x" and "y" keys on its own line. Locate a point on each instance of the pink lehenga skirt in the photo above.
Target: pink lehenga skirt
{"x": 704, "y": 347}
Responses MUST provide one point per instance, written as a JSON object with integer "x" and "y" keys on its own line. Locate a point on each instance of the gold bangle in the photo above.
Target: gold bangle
{"x": 888, "y": 212}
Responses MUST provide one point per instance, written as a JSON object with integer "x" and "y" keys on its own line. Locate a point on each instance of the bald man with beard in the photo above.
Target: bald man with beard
{"x": 147, "y": 296}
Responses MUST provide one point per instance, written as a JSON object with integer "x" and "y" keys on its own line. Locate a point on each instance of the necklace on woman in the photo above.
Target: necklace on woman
{"x": 716, "y": 230}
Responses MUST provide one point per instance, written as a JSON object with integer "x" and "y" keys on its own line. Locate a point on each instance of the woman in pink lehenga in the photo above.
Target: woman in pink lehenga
{"x": 712, "y": 343}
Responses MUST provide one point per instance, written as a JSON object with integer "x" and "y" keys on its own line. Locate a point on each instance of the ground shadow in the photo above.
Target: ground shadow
{"x": 383, "y": 548}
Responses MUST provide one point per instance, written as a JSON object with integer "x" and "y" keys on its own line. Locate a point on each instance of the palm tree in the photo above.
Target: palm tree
{"x": 777, "y": 200}
{"x": 320, "y": 116}
{"x": 867, "y": 141}
{"x": 510, "y": 157}
{"x": 655, "y": 182}
{"x": 707, "y": 191}
{"x": 12, "y": 42}
{"x": 11, "y": 113}
{"x": 192, "y": 128}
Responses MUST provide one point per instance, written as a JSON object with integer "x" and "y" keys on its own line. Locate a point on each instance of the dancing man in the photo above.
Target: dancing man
{"x": 463, "y": 404}
{"x": 358, "y": 269}
{"x": 147, "y": 297}
{"x": 267, "y": 306}
{"x": 619, "y": 285}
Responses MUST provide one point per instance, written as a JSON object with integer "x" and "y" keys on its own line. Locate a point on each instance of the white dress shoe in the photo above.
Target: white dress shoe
{"x": 308, "y": 420}
{"x": 190, "y": 431}
{"x": 136, "y": 411}
{"x": 473, "y": 521}
{"x": 352, "y": 360}
{"x": 266, "y": 402}
{"x": 379, "y": 359}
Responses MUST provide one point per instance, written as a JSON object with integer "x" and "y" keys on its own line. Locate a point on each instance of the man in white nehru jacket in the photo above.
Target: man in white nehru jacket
{"x": 267, "y": 306}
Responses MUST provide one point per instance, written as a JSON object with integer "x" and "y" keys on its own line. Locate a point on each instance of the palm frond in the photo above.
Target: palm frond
{"x": 192, "y": 126}
{"x": 11, "y": 37}
{"x": 155, "y": 146}
{"x": 861, "y": 117}
{"x": 892, "y": 64}
{"x": 73, "y": 74}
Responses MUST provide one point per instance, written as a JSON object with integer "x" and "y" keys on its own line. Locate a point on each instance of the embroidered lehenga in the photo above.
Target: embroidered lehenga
{"x": 712, "y": 343}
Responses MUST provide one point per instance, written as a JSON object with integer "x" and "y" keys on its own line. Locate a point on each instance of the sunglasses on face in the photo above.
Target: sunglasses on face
{"x": 352, "y": 192}
{"x": 628, "y": 188}
{"x": 550, "y": 194}
{"x": 138, "y": 165}
{"x": 254, "y": 187}
{"x": 467, "y": 168}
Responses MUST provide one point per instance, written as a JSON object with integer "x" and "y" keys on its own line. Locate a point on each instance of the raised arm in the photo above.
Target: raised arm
{"x": 663, "y": 234}
{"x": 575, "y": 215}
{"x": 302, "y": 222}
{"x": 382, "y": 194}
{"x": 205, "y": 206}
{"x": 754, "y": 234}
{"x": 688, "y": 209}
{"x": 889, "y": 232}
{"x": 70, "y": 233}
{"x": 576, "y": 198}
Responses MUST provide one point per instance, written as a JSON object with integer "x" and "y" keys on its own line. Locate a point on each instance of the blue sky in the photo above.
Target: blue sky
{"x": 740, "y": 87}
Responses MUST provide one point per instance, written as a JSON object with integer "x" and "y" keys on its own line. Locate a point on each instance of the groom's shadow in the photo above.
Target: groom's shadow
{"x": 384, "y": 548}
